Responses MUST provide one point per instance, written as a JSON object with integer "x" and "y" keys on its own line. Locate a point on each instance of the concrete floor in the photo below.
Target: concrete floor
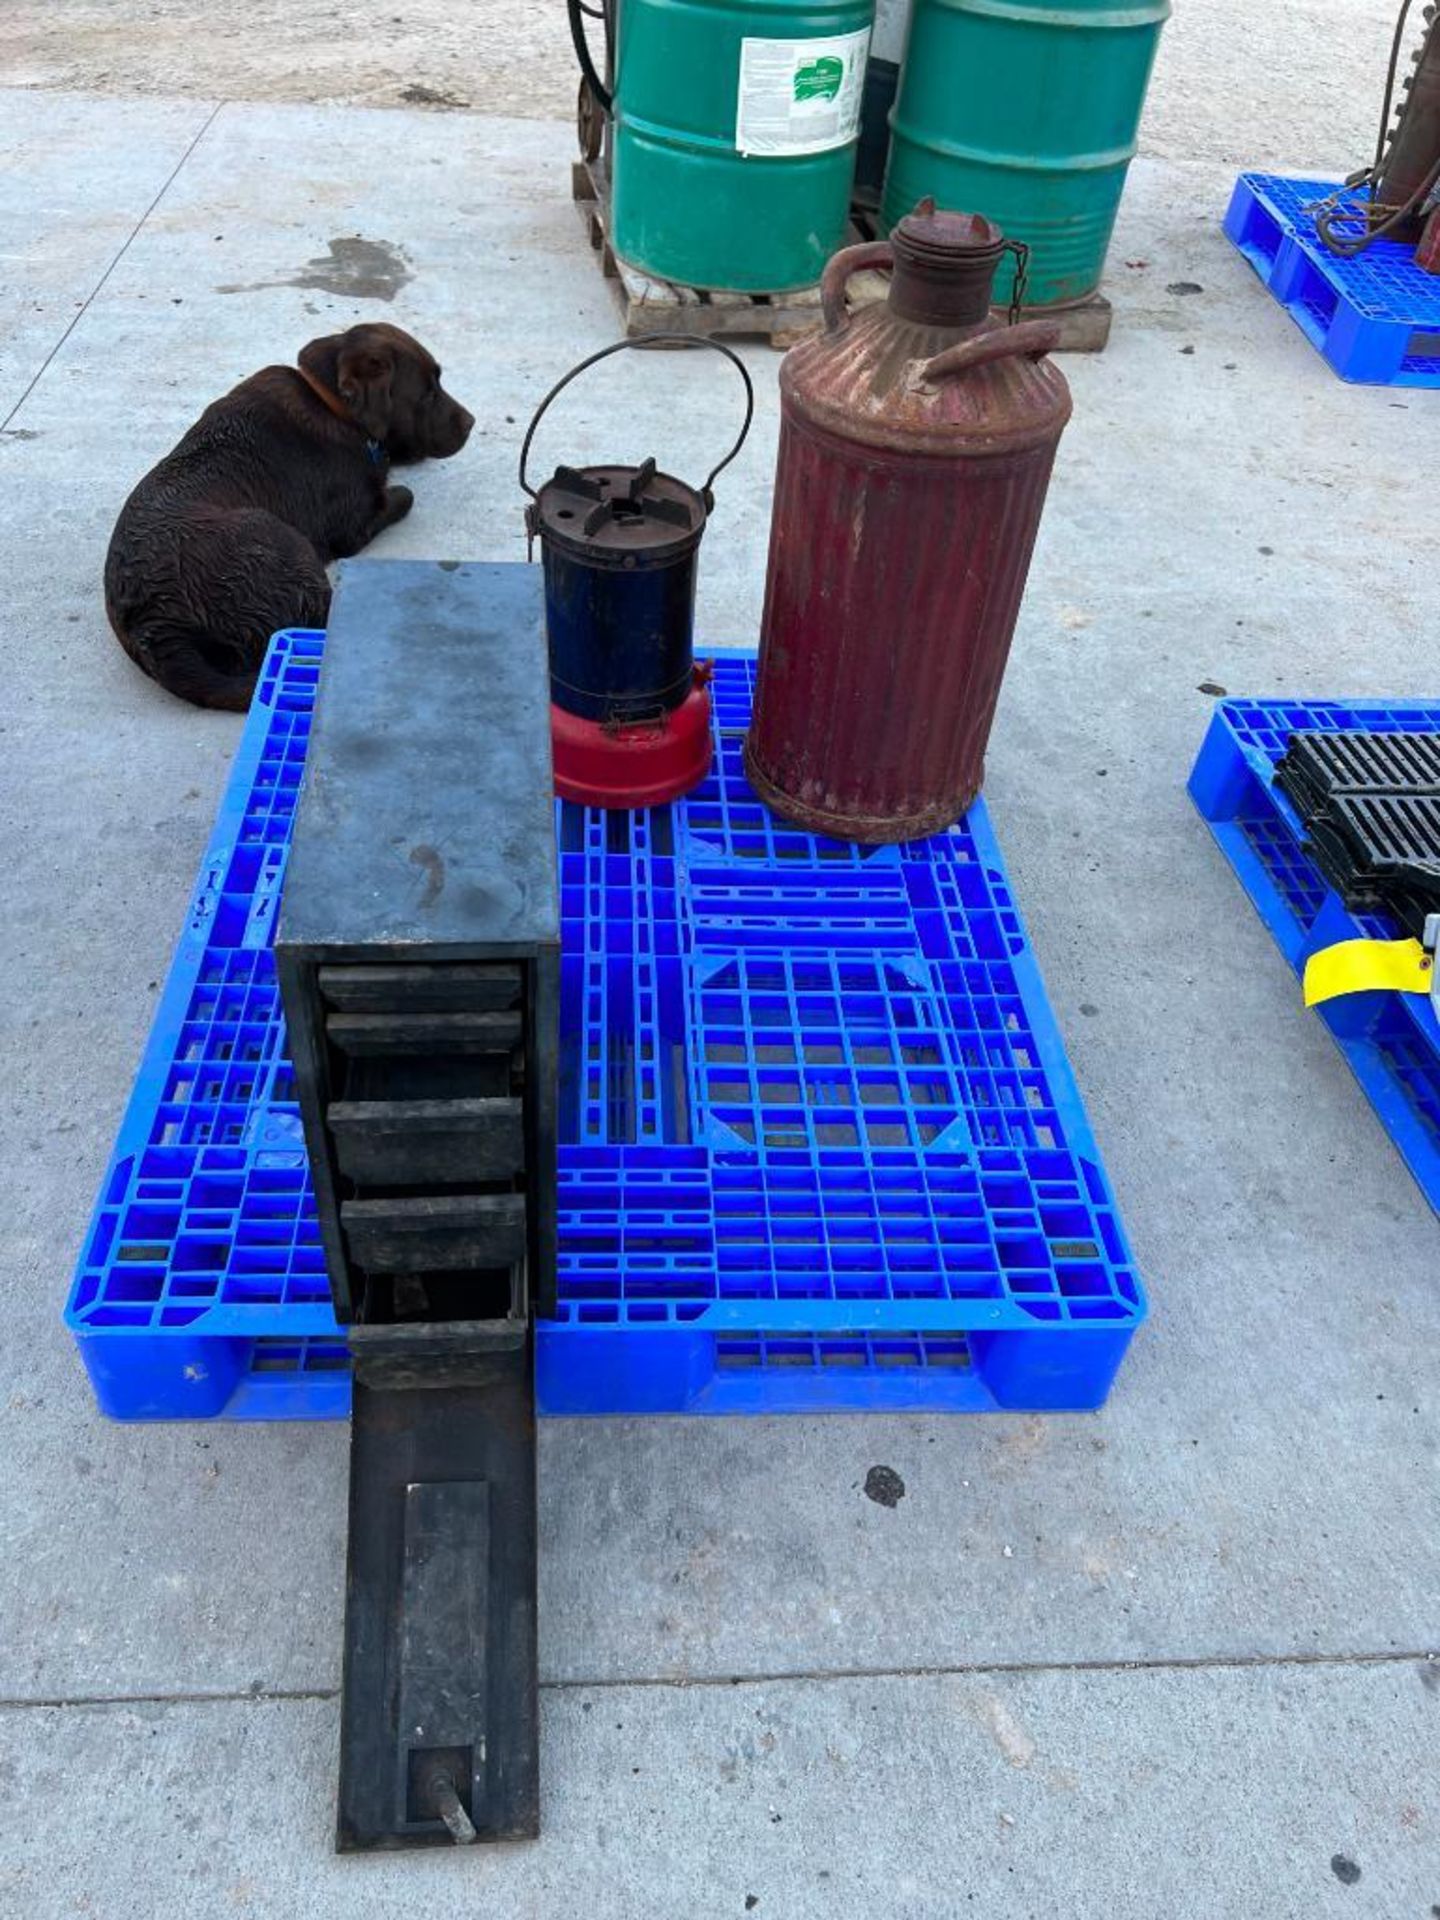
{"x": 1179, "y": 1658}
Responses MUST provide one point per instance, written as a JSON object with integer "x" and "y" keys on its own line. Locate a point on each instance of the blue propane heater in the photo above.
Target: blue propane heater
{"x": 629, "y": 707}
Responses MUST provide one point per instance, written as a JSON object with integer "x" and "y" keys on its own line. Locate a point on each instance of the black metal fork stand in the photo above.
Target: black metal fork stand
{"x": 418, "y": 956}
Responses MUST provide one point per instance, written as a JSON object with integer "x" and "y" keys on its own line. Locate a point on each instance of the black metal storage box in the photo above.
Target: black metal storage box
{"x": 418, "y": 956}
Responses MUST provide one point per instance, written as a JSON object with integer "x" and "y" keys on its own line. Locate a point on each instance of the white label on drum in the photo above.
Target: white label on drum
{"x": 800, "y": 96}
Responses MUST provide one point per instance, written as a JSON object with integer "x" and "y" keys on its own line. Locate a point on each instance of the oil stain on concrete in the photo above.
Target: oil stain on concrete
{"x": 354, "y": 268}
{"x": 884, "y": 1486}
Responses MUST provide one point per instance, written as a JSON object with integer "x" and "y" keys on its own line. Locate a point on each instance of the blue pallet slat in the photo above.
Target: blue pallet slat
{"x": 820, "y": 1144}
{"x": 1391, "y": 1040}
{"x": 1374, "y": 317}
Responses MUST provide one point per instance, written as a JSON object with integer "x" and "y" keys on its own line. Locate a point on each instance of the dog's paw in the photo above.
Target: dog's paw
{"x": 398, "y": 502}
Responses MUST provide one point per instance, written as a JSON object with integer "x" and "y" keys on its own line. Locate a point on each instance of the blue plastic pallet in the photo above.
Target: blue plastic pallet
{"x": 1391, "y": 1040}
{"x": 820, "y": 1145}
{"x": 1375, "y": 318}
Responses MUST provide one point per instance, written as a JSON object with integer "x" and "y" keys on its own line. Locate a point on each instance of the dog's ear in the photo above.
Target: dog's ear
{"x": 364, "y": 371}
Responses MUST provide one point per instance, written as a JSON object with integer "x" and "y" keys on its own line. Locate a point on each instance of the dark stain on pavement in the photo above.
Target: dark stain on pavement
{"x": 419, "y": 95}
{"x": 353, "y": 267}
{"x": 884, "y": 1486}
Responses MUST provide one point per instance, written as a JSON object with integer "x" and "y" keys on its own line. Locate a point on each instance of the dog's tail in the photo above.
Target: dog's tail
{"x": 183, "y": 661}
{"x": 186, "y": 662}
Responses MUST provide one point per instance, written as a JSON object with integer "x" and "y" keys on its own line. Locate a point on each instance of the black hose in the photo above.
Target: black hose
{"x": 582, "y": 53}
{"x": 1348, "y": 246}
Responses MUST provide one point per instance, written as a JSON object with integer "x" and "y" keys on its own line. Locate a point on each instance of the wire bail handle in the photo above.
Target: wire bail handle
{"x": 643, "y": 340}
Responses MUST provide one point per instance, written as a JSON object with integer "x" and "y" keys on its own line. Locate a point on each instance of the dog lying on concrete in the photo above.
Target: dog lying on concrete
{"x": 227, "y": 540}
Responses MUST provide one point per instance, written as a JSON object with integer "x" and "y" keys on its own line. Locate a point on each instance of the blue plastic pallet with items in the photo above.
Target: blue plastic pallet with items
{"x": 820, "y": 1144}
{"x": 1375, "y": 318}
{"x": 1391, "y": 1040}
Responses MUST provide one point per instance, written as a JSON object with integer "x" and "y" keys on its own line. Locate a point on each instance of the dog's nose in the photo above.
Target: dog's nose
{"x": 467, "y": 421}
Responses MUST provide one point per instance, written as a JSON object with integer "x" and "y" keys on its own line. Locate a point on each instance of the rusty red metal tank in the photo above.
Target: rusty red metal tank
{"x": 916, "y": 443}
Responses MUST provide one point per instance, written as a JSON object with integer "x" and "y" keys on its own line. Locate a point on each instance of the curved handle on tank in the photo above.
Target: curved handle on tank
{"x": 1033, "y": 338}
{"x": 647, "y": 340}
{"x": 849, "y": 260}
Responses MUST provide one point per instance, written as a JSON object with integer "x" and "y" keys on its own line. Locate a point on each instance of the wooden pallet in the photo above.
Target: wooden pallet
{"x": 664, "y": 306}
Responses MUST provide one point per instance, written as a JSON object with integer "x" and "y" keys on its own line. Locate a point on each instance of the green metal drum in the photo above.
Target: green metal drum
{"x": 735, "y": 131}
{"x": 1025, "y": 111}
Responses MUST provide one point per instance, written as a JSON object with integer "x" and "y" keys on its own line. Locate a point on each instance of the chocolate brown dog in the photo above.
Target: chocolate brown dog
{"x": 228, "y": 538}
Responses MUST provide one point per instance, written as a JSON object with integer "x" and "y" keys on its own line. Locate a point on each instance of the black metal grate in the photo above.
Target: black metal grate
{"x": 1370, "y": 806}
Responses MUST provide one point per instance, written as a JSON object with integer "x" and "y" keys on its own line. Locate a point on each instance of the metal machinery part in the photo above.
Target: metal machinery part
{"x": 1405, "y": 173}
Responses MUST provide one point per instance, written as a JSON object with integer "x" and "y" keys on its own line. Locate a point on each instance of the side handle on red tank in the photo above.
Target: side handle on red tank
{"x": 1032, "y": 338}
{"x": 840, "y": 269}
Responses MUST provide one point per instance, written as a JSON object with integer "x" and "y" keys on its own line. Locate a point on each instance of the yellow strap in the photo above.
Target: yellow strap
{"x": 1363, "y": 966}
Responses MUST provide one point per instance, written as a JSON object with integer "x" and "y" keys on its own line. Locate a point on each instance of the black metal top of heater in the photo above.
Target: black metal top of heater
{"x": 1370, "y": 804}
{"x": 616, "y": 514}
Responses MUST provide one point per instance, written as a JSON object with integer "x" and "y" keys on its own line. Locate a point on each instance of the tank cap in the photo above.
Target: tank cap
{"x": 944, "y": 265}
{"x": 930, "y": 228}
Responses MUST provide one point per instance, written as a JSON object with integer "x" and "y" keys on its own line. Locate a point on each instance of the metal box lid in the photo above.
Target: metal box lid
{"x": 426, "y": 818}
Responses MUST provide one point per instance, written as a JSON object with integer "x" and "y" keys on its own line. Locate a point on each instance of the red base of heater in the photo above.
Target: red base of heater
{"x": 642, "y": 765}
